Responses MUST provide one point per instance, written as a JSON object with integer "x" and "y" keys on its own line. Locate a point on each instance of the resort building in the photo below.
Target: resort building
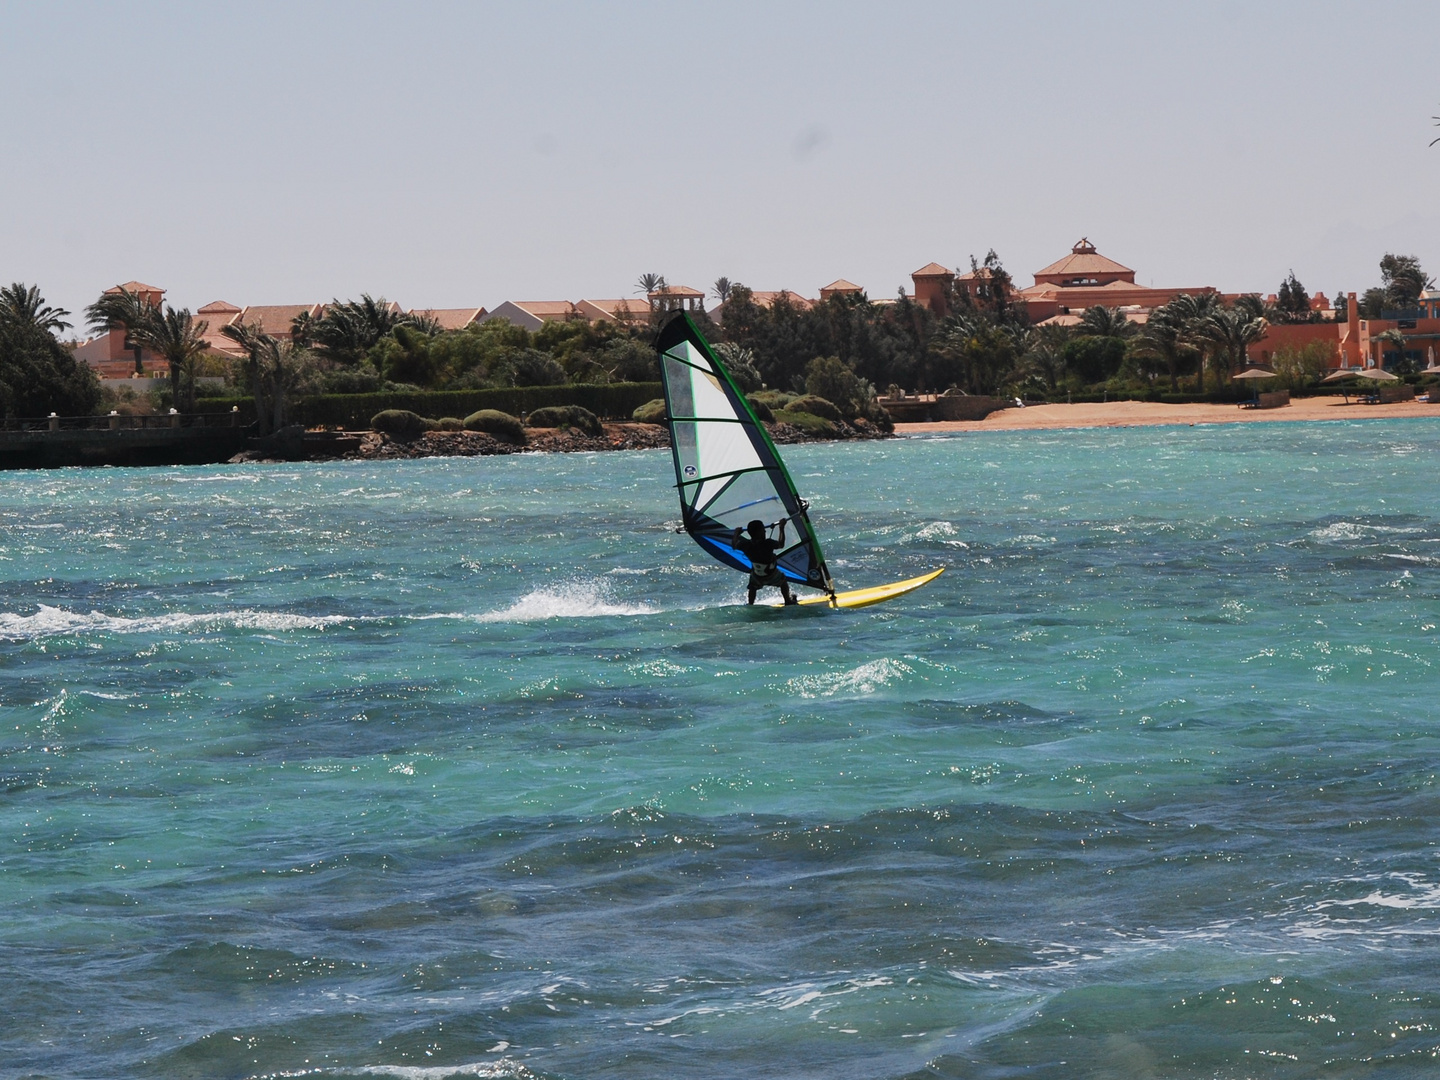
{"x": 112, "y": 354}
{"x": 1065, "y": 288}
{"x": 626, "y": 312}
{"x": 1362, "y": 343}
{"x": 840, "y": 287}
{"x": 533, "y": 314}
{"x": 1085, "y": 278}
{"x": 676, "y": 298}
{"x": 277, "y": 320}
{"x": 217, "y": 315}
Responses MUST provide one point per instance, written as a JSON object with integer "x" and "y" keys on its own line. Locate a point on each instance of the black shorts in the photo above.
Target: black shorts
{"x": 774, "y": 577}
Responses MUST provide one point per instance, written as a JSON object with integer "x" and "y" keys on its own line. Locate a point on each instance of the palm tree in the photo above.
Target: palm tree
{"x": 1043, "y": 354}
{"x": 648, "y": 283}
{"x": 425, "y": 324}
{"x": 1231, "y": 330}
{"x": 1190, "y": 313}
{"x": 1101, "y": 321}
{"x": 1254, "y": 305}
{"x": 262, "y": 363}
{"x": 1403, "y": 365}
{"x": 1165, "y": 338}
{"x": 22, "y": 307}
{"x": 722, "y": 288}
{"x": 350, "y": 329}
{"x": 178, "y": 340}
{"x": 121, "y": 310}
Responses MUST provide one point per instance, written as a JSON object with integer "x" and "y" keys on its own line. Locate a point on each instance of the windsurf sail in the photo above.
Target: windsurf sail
{"x": 726, "y": 468}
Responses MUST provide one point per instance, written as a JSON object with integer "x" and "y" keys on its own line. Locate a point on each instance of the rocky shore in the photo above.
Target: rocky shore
{"x": 377, "y": 446}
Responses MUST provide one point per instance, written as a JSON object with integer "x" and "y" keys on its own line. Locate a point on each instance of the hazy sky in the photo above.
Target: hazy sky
{"x": 455, "y": 154}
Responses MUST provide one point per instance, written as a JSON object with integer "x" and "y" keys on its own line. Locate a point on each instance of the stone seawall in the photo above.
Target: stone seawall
{"x": 124, "y": 446}
{"x": 928, "y": 408}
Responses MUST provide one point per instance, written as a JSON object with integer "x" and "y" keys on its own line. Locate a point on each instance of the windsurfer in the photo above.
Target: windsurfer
{"x": 764, "y": 564}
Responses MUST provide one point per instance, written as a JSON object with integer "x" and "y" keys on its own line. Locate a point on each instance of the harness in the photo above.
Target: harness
{"x": 763, "y": 569}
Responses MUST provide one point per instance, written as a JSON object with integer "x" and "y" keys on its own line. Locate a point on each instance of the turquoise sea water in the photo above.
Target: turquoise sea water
{"x": 472, "y": 767}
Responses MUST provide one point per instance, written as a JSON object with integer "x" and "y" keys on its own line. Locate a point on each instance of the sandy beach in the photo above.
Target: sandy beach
{"x": 1145, "y": 413}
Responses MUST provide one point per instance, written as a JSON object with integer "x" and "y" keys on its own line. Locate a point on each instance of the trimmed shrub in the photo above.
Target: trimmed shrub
{"x": 353, "y": 411}
{"x": 834, "y": 380}
{"x": 815, "y": 405}
{"x": 807, "y": 422}
{"x": 497, "y": 423}
{"x": 402, "y": 423}
{"x": 652, "y": 412}
{"x": 449, "y": 423}
{"x": 557, "y": 416}
{"x": 763, "y": 412}
{"x": 776, "y": 399}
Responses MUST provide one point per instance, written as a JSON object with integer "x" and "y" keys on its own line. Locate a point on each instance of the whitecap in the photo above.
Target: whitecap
{"x": 936, "y": 530}
{"x": 865, "y": 679}
{"x": 572, "y": 600}
{"x": 1423, "y": 894}
{"x": 503, "y": 1069}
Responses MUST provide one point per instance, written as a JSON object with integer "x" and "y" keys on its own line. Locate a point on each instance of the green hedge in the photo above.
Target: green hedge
{"x": 353, "y": 411}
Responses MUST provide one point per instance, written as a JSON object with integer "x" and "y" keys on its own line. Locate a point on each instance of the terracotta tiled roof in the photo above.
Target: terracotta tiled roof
{"x": 451, "y": 318}
{"x": 216, "y": 307}
{"x": 605, "y": 310}
{"x": 841, "y": 285}
{"x": 677, "y": 290}
{"x": 136, "y": 287}
{"x": 766, "y": 299}
{"x": 933, "y": 270}
{"x": 275, "y": 319}
{"x": 546, "y": 309}
{"x": 1048, "y": 288}
{"x": 1083, "y": 261}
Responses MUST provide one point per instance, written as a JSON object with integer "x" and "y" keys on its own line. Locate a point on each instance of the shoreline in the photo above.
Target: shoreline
{"x": 617, "y": 435}
{"x": 1155, "y": 414}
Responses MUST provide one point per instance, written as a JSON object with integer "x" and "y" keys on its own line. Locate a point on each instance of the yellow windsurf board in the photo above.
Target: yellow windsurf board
{"x": 865, "y": 597}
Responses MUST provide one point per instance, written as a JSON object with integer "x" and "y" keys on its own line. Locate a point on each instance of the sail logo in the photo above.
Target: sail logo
{"x": 689, "y": 470}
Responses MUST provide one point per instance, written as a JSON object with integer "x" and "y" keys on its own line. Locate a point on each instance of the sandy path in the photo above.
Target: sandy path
{"x": 1143, "y": 413}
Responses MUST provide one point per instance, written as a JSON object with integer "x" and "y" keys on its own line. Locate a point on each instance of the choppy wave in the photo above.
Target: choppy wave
{"x": 574, "y": 600}
{"x": 53, "y": 621}
{"x": 1350, "y": 531}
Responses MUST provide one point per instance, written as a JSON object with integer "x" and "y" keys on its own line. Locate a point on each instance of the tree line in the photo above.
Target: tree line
{"x": 847, "y": 344}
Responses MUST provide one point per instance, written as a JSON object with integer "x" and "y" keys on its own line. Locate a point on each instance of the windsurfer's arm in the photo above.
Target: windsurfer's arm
{"x": 780, "y": 537}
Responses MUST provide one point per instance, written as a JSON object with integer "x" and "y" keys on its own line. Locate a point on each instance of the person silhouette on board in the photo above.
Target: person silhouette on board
{"x": 763, "y": 555}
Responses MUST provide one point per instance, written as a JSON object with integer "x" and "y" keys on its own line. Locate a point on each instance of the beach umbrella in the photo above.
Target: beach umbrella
{"x": 1255, "y": 373}
{"x": 1376, "y": 373}
{"x": 1432, "y": 369}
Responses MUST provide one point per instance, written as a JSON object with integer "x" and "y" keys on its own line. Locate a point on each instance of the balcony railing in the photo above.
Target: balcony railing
{"x": 117, "y": 422}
